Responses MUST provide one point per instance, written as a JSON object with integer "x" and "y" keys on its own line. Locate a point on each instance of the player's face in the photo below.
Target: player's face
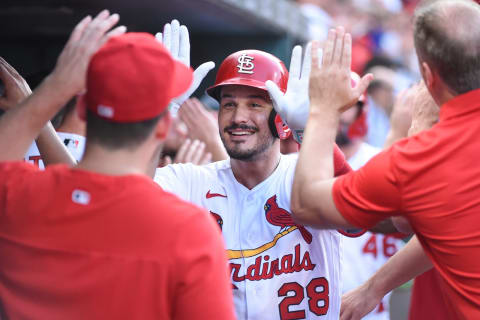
{"x": 243, "y": 121}
{"x": 346, "y": 120}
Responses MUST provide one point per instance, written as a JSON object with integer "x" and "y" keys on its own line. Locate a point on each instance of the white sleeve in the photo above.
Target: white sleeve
{"x": 176, "y": 178}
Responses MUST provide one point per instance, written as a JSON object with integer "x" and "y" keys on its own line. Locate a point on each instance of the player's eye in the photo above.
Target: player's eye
{"x": 228, "y": 105}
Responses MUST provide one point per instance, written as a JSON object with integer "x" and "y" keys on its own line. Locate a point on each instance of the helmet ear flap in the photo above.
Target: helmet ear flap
{"x": 278, "y": 128}
{"x": 271, "y": 123}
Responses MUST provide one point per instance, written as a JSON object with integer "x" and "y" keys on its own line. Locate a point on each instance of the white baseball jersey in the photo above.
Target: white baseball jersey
{"x": 278, "y": 270}
{"x": 364, "y": 255}
{"x": 74, "y": 143}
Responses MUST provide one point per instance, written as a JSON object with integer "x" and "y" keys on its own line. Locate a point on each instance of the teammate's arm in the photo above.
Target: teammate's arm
{"x": 19, "y": 126}
{"x": 330, "y": 94}
{"x": 403, "y": 266}
{"x": 16, "y": 90}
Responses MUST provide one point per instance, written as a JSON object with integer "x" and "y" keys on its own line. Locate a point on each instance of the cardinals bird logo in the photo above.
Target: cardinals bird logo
{"x": 218, "y": 219}
{"x": 282, "y": 218}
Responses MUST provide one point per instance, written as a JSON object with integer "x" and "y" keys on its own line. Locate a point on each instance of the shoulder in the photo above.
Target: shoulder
{"x": 17, "y": 166}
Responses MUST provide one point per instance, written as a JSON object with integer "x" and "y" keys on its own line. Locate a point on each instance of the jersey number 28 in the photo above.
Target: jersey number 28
{"x": 317, "y": 293}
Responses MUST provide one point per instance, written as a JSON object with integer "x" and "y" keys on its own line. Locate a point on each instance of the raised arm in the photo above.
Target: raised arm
{"x": 17, "y": 89}
{"x": 19, "y": 126}
{"x": 176, "y": 39}
{"x": 330, "y": 94}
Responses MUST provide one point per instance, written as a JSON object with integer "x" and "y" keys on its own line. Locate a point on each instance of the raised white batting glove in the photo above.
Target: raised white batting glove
{"x": 293, "y": 105}
{"x": 176, "y": 39}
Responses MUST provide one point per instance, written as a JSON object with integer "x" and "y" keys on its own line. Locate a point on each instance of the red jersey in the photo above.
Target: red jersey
{"x": 427, "y": 300}
{"x": 433, "y": 179}
{"x": 81, "y": 245}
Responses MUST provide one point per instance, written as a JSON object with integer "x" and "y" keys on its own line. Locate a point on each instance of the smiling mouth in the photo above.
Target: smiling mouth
{"x": 240, "y": 133}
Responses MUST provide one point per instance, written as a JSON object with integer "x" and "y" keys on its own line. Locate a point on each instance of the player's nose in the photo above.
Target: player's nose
{"x": 241, "y": 114}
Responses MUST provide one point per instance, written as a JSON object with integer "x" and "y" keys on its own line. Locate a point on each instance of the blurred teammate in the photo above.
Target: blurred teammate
{"x": 365, "y": 254}
{"x": 414, "y": 112}
{"x": 431, "y": 179}
{"x": 279, "y": 269}
{"x": 71, "y": 131}
{"x": 102, "y": 240}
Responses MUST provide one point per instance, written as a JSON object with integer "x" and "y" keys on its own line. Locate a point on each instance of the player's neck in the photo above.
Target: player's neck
{"x": 118, "y": 162}
{"x": 251, "y": 173}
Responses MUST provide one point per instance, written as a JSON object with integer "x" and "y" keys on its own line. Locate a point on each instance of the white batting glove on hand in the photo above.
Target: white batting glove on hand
{"x": 176, "y": 39}
{"x": 293, "y": 106}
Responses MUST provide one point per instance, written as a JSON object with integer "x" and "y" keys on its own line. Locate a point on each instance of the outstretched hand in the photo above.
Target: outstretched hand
{"x": 190, "y": 152}
{"x": 293, "y": 105}
{"x": 358, "y": 302}
{"x": 87, "y": 37}
{"x": 177, "y": 40}
{"x": 16, "y": 88}
{"x": 330, "y": 77}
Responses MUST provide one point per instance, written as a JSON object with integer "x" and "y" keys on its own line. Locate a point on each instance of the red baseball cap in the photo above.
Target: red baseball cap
{"x": 133, "y": 78}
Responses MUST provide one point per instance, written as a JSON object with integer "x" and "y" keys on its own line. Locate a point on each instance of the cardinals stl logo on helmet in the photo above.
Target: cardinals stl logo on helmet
{"x": 245, "y": 64}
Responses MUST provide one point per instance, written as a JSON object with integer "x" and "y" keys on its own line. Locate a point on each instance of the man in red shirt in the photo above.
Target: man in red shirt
{"x": 102, "y": 240}
{"x": 431, "y": 179}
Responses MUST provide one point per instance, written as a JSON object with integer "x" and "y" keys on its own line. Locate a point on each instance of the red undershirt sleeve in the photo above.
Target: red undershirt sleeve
{"x": 204, "y": 290}
{"x": 370, "y": 194}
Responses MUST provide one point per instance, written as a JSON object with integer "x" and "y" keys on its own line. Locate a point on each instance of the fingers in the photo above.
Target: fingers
{"x": 8, "y": 68}
{"x": 328, "y": 50}
{"x": 105, "y": 23}
{"x": 95, "y": 33}
{"x": 315, "y": 60}
{"x": 184, "y": 50}
{"x": 307, "y": 62}
{"x": 202, "y": 70}
{"x": 167, "y": 36}
{"x": 207, "y": 158}
{"x": 175, "y": 39}
{"x": 362, "y": 85}
{"x": 180, "y": 156}
{"x": 159, "y": 37}
{"x": 346, "y": 57}
{"x": 193, "y": 152}
{"x": 338, "y": 51}
{"x": 295, "y": 63}
{"x": 79, "y": 29}
{"x": 198, "y": 76}
{"x": 276, "y": 95}
{"x": 116, "y": 32}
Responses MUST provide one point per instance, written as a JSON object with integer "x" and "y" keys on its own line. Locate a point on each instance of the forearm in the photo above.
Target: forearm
{"x": 405, "y": 265}
{"x": 21, "y": 125}
{"x": 51, "y": 147}
{"x": 314, "y": 166}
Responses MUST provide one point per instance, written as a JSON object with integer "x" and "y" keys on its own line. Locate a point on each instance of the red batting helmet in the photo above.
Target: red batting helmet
{"x": 253, "y": 68}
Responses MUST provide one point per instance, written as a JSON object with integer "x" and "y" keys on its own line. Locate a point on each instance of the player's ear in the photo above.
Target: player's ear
{"x": 428, "y": 76}
{"x": 163, "y": 126}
